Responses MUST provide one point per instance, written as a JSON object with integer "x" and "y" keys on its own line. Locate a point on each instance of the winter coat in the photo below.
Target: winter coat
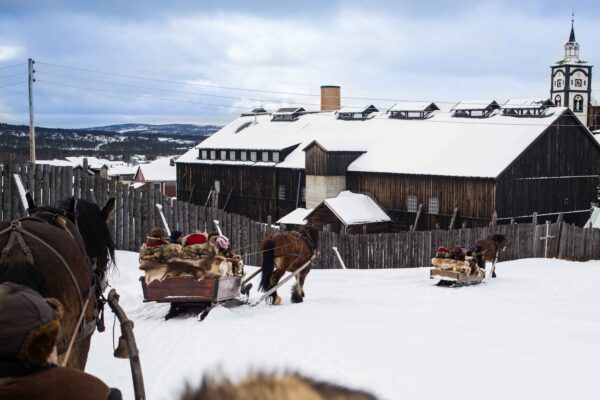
{"x": 53, "y": 383}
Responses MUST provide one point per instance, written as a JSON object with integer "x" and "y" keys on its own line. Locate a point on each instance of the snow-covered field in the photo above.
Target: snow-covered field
{"x": 532, "y": 333}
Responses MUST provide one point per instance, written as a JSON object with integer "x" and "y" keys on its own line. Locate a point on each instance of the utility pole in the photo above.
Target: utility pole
{"x": 31, "y": 126}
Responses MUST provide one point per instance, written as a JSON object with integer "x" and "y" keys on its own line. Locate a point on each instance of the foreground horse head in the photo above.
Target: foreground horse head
{"x": 63, "y": 253}
{"x": 287, "y": 251}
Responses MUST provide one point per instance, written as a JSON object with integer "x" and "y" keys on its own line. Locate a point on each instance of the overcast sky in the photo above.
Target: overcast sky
{"x": 437, "y": 51}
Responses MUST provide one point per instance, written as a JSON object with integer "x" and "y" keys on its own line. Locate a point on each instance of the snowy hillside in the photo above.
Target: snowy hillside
{"x": 170, "y": 129}
{"x": 532, "y": 333}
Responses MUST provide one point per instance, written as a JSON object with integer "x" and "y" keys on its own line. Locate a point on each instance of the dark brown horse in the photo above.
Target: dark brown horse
{"x": 287, "y": 251}
{"x": 62, "y": 253}
{"x": 487, "y": 250}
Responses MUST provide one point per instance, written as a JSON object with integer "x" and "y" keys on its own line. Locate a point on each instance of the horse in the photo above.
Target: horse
{"x": 63, "y": 253}
{"x": 287, "y": 251}
{"x": 487, "y": 250}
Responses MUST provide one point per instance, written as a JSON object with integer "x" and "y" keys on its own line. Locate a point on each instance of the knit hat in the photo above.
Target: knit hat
{"x": 223, "y": 242}
{"x": 29, "y": 324}
{"x": 175, "y": 235}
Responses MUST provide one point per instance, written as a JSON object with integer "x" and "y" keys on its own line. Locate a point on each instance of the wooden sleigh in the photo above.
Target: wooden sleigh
{"x": 186, "y": 293}
{"x": 456, "y": 272}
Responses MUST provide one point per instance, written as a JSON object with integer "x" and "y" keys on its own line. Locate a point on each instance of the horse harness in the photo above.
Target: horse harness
{"x": 49, "y": 215}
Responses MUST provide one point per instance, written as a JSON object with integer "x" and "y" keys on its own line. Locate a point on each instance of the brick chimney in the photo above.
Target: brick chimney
{"x": 330, "y": 98}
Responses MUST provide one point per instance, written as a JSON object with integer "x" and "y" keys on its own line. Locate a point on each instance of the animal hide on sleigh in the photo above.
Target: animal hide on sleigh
{"x": 197, "y": 260}
{"x": 468, "y": 267}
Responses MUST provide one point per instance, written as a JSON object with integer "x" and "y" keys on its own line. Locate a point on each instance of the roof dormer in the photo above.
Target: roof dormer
{"x": 356, "y": 113}
{"x": 287, "y": 114}
{"x": 412, "y": 110}
{"x": 526, "y": 107}
{"x": 475, "y": 108}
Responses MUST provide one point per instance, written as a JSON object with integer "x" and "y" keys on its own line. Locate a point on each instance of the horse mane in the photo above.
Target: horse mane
{"x": 23, "y": 273}
{"x": 94, "y": 232}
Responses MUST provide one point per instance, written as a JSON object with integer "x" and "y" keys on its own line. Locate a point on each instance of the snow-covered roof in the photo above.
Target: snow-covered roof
{"x": 355, "y": 208}
{"x": 433, "y": 146}
{"x": 159, "y": 170}
{"x": 358, "y": 109}
{"x": 123, "y": 170}
{"x": 526, "y": 103}
{"x": 56, "y": 163}
{"x": 594, "y": 221}
{"x": 296, "y": 217}
{"x": 475, "y": 105}
{"x": 93, "y": 162}
{"x": 414, "y": 106}
{"x": 340, "y": 145}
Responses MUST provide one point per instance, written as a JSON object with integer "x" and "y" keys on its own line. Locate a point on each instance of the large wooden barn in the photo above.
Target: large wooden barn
{"x": 458, "y": 166}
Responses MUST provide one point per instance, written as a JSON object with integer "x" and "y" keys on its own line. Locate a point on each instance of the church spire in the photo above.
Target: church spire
{"x": 572, "y": 36}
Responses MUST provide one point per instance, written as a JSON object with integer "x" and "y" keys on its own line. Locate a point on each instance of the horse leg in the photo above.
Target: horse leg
{"x": 298, "y": 288}
{"x": 303, "y": 275}
{"x": 274, "y": 280}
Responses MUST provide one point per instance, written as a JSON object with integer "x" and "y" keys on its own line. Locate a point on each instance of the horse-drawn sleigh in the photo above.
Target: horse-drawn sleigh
{"x": 462, "y": 266}
{"x": 198, "y": 277}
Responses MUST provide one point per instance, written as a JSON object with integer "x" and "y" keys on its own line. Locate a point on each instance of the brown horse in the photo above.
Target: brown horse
{"x": 487, "y": 250}
{"x": 62, "y": 253}
{"x": 287, "y": 251}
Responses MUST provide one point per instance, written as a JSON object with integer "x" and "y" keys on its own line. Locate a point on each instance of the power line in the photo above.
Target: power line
{"x": 12, "y": 75}
{"x": 177, "y": 91}
{"x": 381, "y": 117}
{"x": 12, "y": 66}
{"x": 13, "y": 84}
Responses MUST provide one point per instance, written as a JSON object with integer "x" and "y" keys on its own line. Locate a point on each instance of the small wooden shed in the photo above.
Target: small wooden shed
{"x": 350, "y": 213}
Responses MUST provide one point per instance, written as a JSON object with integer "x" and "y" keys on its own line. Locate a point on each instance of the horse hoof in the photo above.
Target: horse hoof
{"x": 297, "y": 298}
{"x": 277, "y": 300}
{"x": 273, "y": 300}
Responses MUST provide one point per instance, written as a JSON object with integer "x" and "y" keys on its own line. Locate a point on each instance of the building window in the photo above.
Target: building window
{"x": 434, "y": 205}
{"x": 232, "y": 155}
{"x": 578, "y": 104}
{"x": 223, "y": 155}
{"x": 204, "y": 154}
{"x": 557, "y": 101}
{"x": 559, "y": 83}
{"x": 252, "y": 156}
{"x": 411, "y": 203}
{"x": 265, "y": 156}
{"x": 275, "y": 157}
{"x": 213, "y": 154}
{"x": 243, "y": 155}
{"x": 217, "y": 186}
{"x": 157, "y": 186}
{"x": 281, "y": 192}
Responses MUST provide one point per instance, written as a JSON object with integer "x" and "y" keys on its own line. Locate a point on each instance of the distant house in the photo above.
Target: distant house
{"x": 349, "y": 213}
{"x": 97, "y": 165}
{"x": 125, "y": 173}
{"x": 159, "y": 174}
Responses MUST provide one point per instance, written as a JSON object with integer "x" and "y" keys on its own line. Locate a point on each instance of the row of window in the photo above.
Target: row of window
{"x": 433, "y": 206}
{"x": 237, "y": 155}
{"x": 281, "y": 193}
{"x": 577, "y": 102}
{"x": 574, "y": 82}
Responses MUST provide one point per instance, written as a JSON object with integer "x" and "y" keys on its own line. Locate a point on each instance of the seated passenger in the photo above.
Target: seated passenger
{"x": 29, "y": 331}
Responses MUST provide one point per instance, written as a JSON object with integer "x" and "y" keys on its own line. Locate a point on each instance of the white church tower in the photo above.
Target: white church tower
{"x": 572, "y": 80}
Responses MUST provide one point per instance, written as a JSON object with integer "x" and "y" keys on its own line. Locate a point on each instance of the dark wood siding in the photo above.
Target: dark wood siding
{"x": 323, "y": 163}
{"x": 474, "y": 197}
{"x": 557, "y": 173}
{"x": 245, "y": 190}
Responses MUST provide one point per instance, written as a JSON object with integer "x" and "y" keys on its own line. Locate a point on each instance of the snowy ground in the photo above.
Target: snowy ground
{"x": 532, "y": 333}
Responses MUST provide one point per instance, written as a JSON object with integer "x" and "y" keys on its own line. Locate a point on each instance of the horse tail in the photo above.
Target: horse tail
{"x": 268, "y": 264}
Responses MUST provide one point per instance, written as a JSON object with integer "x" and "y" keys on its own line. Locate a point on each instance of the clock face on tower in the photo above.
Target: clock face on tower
{"x": 578, "y": 82}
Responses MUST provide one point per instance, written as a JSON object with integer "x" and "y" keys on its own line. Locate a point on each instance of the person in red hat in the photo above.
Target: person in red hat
{"x": 29, "y": 330}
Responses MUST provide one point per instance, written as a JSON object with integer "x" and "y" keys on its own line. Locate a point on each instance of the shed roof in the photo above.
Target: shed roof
{"x": 296, "y": 217}
{"x": 354, "y": 209}
{"x": 159, "y": 170}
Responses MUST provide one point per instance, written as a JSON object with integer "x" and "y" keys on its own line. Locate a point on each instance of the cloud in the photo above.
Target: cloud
{"x": 10, "y": 53}
{"x": 394, "y": 52}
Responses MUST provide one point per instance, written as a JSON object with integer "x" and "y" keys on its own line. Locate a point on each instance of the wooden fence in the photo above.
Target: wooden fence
{"x": 136, "y": 214}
